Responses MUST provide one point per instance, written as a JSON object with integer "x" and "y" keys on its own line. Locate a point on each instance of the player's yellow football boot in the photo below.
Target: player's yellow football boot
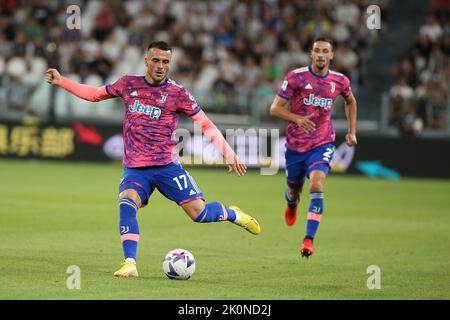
{"x": 126, "y": 270}
{"x": 247, "y": 222}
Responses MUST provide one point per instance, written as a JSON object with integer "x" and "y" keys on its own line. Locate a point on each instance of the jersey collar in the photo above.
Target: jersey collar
{"x": 157, "y": 85}
{"x": 316, "y": 75}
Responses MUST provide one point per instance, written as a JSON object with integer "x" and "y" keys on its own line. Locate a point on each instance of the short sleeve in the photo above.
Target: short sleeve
{"x": 187, "y": 104}
{"x": 346, "y": 88}
{"x": 288, "y": 86}
{"x": 116, "y": 89}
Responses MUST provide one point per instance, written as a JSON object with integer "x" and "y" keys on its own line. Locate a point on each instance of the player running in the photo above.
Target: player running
{"x": 153, "y": 104}
{"x": 311, "y": 92}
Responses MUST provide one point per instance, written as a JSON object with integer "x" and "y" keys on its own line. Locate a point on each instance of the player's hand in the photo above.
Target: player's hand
{"x": 350, "y": 139}
{"x": 305, "y": 123}
{"x": 52, "y": 76}
{"x": 235, "y": 164}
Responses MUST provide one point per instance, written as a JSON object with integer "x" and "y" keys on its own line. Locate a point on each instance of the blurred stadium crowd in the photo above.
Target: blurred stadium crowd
{"x": 232, "y": 55}
{"x": 420, "y": 97}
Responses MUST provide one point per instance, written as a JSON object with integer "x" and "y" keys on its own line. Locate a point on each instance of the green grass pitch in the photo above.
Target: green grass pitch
{"x": 54, "y": 215}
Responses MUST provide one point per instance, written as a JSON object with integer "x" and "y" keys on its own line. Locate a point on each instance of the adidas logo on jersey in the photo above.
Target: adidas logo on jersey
{"x": 134, "y": 93}
{"x": 192, "y": 192}
{"x": 308, "y": 86}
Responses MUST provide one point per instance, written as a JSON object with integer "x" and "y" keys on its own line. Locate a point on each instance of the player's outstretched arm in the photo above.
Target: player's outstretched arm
{"x": 210, "y": 130}
{"x": 278, "y": 110}
{"x": 86, "y": 92}
{"x": 350, "y": 111}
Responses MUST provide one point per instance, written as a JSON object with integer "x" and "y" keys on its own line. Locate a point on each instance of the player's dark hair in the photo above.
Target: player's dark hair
{"x": 325, "y": 40}
{"x": 161, "y": 45}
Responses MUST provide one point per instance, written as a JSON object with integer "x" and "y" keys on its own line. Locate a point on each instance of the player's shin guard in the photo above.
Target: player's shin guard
{"x": 314, "y": 214}
{"x": 129, "y": 229}
{"x": 215, "y": 211}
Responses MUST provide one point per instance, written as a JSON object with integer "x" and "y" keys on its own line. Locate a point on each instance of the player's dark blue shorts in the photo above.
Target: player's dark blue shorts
{"x": 171, "y": 180}
{"x": 300, "y": 164}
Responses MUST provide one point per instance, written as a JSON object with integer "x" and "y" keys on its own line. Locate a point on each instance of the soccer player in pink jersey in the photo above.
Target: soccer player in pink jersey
{"x": 153, "y": 104}
{"x": 311, "y": 92}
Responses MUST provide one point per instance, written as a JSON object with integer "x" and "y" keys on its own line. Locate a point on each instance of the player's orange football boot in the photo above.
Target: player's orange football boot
{"x": 307, "y": 248}
{"x": 290, "y": 215}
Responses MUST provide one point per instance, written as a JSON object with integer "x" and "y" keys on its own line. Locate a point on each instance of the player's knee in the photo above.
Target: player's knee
{"x": 131, "y": 194}
{"x": 317, "y": 180}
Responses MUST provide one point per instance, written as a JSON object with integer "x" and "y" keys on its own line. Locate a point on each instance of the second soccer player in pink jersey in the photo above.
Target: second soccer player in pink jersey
{"x": 311, "y": 92}
{"x": 153, "y": 103}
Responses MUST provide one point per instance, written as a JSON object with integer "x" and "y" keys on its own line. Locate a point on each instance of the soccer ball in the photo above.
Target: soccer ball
{"x": 179, "y": 264}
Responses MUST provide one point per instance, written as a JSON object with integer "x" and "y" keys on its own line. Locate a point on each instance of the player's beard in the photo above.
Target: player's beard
{"x": 321, "y": 65}
{"x": 158, "y": 78}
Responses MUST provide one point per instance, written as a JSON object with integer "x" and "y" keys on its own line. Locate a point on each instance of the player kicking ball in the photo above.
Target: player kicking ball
{"x": 311, "y": 92}
{"x": 153, "y": 104}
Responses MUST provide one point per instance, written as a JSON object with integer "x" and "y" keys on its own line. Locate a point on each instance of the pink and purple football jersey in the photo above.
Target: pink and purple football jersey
{"x": 151, "y": 117}
{"x": 309, "y": 93}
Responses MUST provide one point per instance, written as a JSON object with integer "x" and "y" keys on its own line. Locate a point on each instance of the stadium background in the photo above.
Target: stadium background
{"x": 232, "y": 55}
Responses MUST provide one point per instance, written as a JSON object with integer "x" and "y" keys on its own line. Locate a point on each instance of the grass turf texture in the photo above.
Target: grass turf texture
{"x": 53, "y": 215}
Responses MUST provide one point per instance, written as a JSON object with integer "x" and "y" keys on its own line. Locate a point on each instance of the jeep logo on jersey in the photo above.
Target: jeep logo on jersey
{"x": 151, "y": 111}
{"x": 318, "y": 102}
